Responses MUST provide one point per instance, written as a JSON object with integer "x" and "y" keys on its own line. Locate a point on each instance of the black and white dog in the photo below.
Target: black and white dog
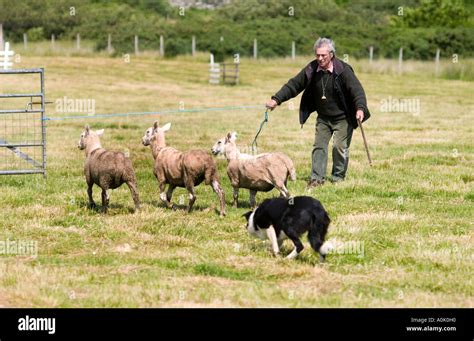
{"x": 280, "y": 218}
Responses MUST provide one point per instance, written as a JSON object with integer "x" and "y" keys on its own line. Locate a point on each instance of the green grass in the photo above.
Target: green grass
{"x": 412, "y": 211}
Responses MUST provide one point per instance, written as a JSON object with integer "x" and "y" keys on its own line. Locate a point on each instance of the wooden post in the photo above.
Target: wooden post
{"x": 437, "y": 63}
{"x": 53, "y": 39}
{"x": 400, "y": 60}
{"x": 78, "y": 41}
{"x": 371, "y": 54}
{"x": 25, "y": 40}
{"x": 223, "y": 73}
{"x": 293, "y": 50}
{"x": 162, "y": 46}
{"x": 109, "y": 43}
{"x": 1, "y": 36}
{"x": 193, "y": 46}
{"x": 136, "y": 46}
{"x": 236, "y": 73}
{"x": 255, "y": 49}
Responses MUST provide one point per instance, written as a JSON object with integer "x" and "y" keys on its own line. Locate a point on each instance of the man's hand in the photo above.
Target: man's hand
{"x": 359, "y": 115}
{"x": 271, "y": 104}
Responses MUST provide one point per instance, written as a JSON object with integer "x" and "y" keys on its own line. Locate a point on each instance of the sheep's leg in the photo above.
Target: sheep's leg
{"x": 163, "y": 196}
{"x": 105, "y": 200}
{"x": 235, "y": 203}
{"x": 220, "y": 193}
{"x": 133, "y": 189}
{"x": 89, "y": 193}
{"x": 284, "y": 193}
{"x": 192, "y": 197}
{"x": 253, "y": 202}
{"x": 169, "y": 193}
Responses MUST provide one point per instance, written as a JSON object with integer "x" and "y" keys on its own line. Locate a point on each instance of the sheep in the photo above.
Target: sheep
{"x": 258, "y": 173}
{"x": 181, "y": 169}
{"x": 106, "y": 169}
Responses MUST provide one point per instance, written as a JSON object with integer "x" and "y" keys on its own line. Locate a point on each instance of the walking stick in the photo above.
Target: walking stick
{"x": 365, "y": 142}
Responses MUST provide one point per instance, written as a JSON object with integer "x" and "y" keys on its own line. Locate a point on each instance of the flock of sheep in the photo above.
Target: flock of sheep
{"x": 257, "y": 173}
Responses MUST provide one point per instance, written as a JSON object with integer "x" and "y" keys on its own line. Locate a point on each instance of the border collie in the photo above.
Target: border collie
{"x": 280, "y": 218}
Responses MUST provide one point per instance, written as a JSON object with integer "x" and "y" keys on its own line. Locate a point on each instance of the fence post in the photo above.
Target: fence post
{"x": 109, "y": 43}
{"x": 1, "y": 36}
{"x": 255, "y": 49}
{"x": 293, "y": 50}
{"x": 437, "y": 63}
{"x": 193, "y": 46}
{"x": 162, "y": 46}
{"x": 53, "y": 39}
{"x": 78, "y": 41}
{"x": 136, "y": 46}
{"x": 400, "y": 60}
{"x": 371, "y": 54}
{"x": 25, "y": 40}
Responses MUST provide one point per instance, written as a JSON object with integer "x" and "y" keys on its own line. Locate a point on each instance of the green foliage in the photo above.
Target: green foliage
{"x": 439, "y": 13}
{"x": 54, "y": 16}
{"x": 424, "y": 26}
{"x": 35, "y": 34}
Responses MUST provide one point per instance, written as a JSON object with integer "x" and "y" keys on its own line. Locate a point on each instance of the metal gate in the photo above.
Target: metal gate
{"x": 22, "y": 125}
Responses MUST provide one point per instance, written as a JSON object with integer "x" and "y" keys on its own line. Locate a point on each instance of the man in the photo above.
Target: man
{"x": 332, "y": 89}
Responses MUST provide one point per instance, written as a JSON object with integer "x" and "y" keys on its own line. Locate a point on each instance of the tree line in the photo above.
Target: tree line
{"x": 419, "y": 26}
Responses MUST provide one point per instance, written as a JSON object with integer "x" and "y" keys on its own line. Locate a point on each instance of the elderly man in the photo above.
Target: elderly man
{"x": 332, "y": 89}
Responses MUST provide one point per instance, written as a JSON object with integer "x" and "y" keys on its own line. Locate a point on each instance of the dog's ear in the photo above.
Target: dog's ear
{"x": 247, "y": 215}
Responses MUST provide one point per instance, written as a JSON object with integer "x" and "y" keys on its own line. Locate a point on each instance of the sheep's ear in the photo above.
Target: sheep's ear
{"x": 166, "y": 127}
{"x": 228, "y": 137}
{"x": 155, "y": 125}
{"x": 232, "y": 136}
{"x": 100, "y": 132}
{"x": 87, "y": 130}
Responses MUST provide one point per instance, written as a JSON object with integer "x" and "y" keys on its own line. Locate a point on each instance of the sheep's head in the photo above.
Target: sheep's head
{"x": 89, "y": 136}
{"x": 155, "y": 132}
{"x": 219, "y": 147}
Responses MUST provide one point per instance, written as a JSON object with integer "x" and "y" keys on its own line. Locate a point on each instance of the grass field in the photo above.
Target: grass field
{"x": 411, "y": 215}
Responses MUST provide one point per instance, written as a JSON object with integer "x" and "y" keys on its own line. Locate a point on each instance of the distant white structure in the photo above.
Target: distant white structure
{"x": 5, "y": 55}
{"x": 214, "y": 71}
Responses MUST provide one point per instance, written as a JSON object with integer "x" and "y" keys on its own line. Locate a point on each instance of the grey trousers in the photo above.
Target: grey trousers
{"x": 341, "y": 130}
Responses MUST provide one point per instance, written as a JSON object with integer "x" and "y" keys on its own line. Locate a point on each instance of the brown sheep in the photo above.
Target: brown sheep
{"x": 106, "y": 169}
{"x": 181, "y": 169}
{"x": 257, "y": 173}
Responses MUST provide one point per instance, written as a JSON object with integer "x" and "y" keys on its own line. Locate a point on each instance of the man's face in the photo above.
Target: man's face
{"x": 323, "y": 56}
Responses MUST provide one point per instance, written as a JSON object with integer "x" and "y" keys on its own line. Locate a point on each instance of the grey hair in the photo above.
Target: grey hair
{"x": 325, "y": 42}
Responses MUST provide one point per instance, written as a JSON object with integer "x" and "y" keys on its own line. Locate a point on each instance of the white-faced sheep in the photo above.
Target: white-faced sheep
{"x": 258, "y": 173}
{"x": 106, "y": 169}
{"x": 181, "y": 169}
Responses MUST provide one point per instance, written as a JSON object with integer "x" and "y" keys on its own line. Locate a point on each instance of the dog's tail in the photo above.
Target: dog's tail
{"x": 319, "y": 227}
